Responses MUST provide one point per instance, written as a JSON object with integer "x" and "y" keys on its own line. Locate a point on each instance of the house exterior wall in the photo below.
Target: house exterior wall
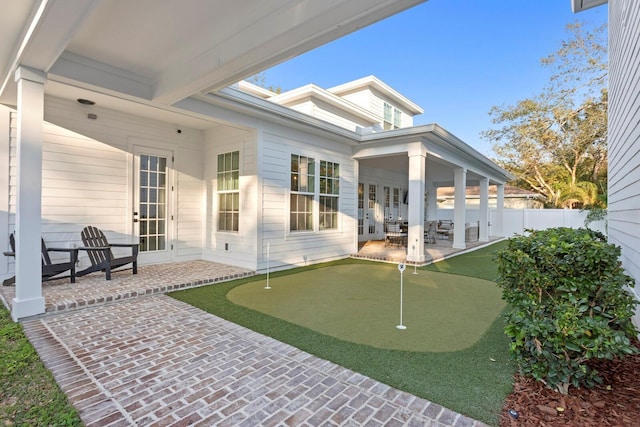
{"x": 329, "y": 113}
{"x": 88, "y": 175}
{"x": 373, "y": 101}
{"x": 230, "y": 247}
{"x": 624, "y": 134}
{"x": 288, "y": 248}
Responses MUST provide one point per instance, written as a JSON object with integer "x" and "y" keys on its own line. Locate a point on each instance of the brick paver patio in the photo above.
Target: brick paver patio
{"x": 127, "y": 355}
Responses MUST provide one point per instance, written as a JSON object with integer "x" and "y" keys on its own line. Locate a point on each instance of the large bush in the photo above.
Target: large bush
{"x": 568, "y": 302}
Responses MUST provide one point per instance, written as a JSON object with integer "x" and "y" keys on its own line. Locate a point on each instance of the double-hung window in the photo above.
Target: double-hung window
{"x": 392, "y": 117}
{"x": 313, "y": 207}
{"x": 303, "y": 174}
{"x": 228, "y": 191}
{"x": 329, "y": 191}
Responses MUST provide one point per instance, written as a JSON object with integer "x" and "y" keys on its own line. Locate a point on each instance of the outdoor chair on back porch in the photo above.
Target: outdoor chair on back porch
{"x": 50, "y": 270}
{"x": 101, "y": 256}
{"x": 394, "y": 235}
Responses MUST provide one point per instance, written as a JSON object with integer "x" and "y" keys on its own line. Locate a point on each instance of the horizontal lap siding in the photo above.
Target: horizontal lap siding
{"x": 231, "y": 247}
{"x": 290, "y": 248}
{"x": 331, "y": 114}
{"x": 77, "y": 187}
{"x": 188, "y": 210}
{"x": 624, "y": 133}
{"x": 87, "y": 174}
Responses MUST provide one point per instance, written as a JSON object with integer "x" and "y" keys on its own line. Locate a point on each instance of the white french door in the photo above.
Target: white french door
{"x": 153, "y": 204}
{"x": 369, "y": 212}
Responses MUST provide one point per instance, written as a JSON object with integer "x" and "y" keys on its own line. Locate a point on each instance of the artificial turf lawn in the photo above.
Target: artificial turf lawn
{"x": 473, "y": 381}
{"x": 360, "y": 303}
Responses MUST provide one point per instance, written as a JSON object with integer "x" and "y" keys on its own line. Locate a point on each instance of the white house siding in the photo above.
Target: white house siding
{"x": 229, "y": 247}
{"x": 306, "y": 107}
{"x": 331, "y": 114}
{"x": 624, "y": 134}
{"x": 297, "y": 248}
{"x": 88, "y": 168}
{"x": 373, "y": 101}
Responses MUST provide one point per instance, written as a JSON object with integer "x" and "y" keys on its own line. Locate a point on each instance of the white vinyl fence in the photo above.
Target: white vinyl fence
{"x": 518, "y": 220}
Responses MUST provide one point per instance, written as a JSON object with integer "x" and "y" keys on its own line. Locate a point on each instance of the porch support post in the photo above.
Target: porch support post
{"x": 483, "y": 217}
{"x": 459, "y": 207}
{"x": 29, "y": 300}
{"x": 417, "y": 165}
{"x": 499, "y": 225}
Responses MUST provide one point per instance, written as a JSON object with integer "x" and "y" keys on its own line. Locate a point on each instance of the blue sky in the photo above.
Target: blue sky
{"x": 454, "y": 58}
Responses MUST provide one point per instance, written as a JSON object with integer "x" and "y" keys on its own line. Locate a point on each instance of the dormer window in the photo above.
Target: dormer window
{"x": 392, "y": 117}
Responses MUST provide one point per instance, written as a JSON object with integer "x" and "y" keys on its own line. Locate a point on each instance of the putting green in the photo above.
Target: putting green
{"x": 361, "y": 303}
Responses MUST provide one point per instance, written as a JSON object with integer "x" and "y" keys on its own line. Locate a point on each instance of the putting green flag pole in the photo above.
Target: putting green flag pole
{"x": 268, "y": 247}
{"x": 401, "y": 267}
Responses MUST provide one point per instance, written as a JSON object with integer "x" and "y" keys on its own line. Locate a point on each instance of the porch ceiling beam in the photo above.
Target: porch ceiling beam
{"x": 45, "y": 34}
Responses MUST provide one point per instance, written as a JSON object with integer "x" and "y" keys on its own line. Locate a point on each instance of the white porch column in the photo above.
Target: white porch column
{"x": 415, "y": 239}
{"x": 499, "y": 225}
{"x": 29, "y": 300}
{"x": 483, "y": 217}
{"x": 459, "y": 207}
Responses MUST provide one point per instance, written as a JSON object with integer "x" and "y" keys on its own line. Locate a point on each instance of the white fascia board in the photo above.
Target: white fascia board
{"x": 313, "y": 91}
{"x": 259, "y": 91}
{"x": 580, "y": 5}
{"x": 382, "y": 87}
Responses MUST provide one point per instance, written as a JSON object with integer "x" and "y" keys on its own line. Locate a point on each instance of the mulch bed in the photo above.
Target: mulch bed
{"x": 614, "y": 403}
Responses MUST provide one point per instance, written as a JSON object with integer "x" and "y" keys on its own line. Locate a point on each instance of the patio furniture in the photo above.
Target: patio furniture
{"x": 445, "y": 229}
{"x": 430, "y": 234}
{"x": 101, "y": 256}
{"x": 50, "y": 270}
{"x": 395, "y": 235}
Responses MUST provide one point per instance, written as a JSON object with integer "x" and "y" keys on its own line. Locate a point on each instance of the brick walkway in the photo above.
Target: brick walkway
{"x": 156, "y": 361}
{"x": 60, "y": 295}
{"x": 134, "y": 357}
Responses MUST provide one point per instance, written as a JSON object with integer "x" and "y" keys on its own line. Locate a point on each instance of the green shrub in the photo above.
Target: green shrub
{"x": 568, "y": 302}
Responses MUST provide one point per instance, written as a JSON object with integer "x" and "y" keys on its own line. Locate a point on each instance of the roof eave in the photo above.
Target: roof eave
{"x": 580, "y": 5}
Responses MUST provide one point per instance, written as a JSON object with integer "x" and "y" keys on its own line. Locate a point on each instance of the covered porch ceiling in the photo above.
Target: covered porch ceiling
{"x": 438, "y": 172}
{"x": 163, "y": 51}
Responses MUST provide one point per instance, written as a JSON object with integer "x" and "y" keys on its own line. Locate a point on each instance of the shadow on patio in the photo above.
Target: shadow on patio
{"x": 376, "y": 250}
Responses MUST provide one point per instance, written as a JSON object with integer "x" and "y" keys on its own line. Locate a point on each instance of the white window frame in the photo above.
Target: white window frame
{"x": 228, "y": 185}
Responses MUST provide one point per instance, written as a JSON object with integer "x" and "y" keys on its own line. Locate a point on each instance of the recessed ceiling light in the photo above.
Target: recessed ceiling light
{"x": 86, "y": 101}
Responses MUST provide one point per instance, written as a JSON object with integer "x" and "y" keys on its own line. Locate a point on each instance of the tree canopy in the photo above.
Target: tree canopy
{"x": 556, "y": 142}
